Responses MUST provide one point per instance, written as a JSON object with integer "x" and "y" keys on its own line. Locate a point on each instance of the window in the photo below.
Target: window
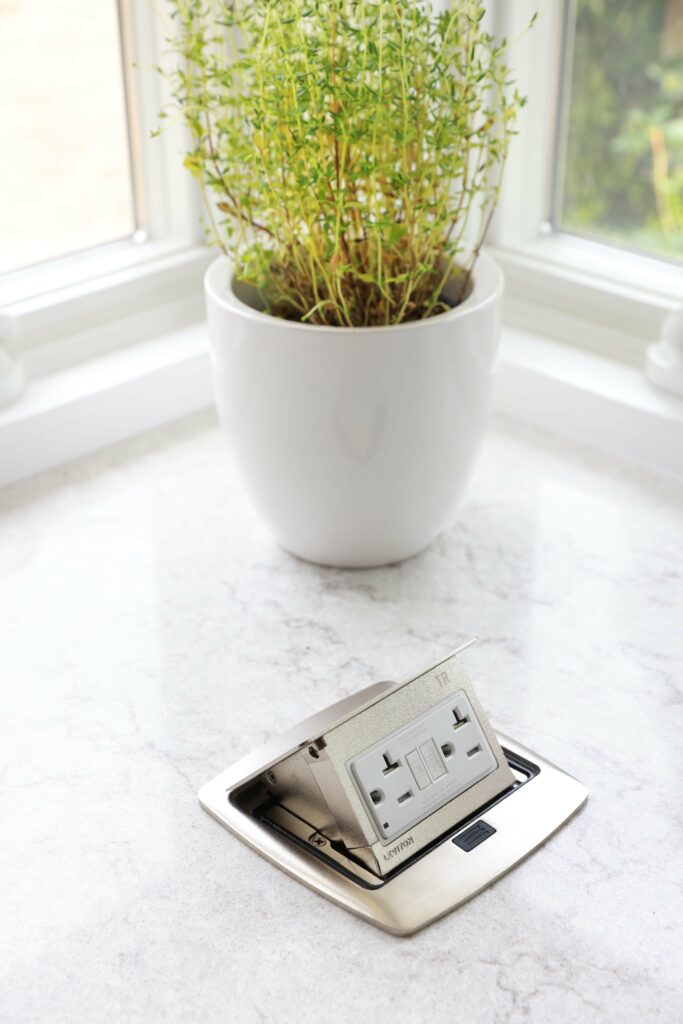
{"x": 585, "y": 227}
{"x": 620, "y": 173}
{"x": 99, "y": 221}
{"x": 66, "y": 177}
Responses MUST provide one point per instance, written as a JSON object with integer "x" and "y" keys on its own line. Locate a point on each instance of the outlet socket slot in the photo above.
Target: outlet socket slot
{"x": 272, "y": 815}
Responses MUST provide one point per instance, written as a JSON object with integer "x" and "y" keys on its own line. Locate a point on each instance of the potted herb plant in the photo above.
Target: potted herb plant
{"x": 349, "y": 152}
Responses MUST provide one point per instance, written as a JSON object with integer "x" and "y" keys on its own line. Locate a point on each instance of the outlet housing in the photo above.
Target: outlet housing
{"x": 296, "y": 803}
{"x": 341, "y": 784}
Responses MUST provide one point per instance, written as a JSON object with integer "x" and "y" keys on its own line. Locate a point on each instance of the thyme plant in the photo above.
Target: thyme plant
{"x": 349, "y": 151}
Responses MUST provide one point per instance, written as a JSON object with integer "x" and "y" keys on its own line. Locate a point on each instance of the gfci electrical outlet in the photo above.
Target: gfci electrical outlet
{"x": 415, "y": 770}
{"x": 398, "y": 803}
{"x": 387, "y": 781}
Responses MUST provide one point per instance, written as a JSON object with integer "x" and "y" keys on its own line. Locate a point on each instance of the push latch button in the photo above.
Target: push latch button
{"x": 474, "y": 835}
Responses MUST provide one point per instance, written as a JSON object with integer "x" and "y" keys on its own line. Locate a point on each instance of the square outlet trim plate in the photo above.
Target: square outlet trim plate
{"x": 417, "y": 769}
{"x": 326, "y": 801}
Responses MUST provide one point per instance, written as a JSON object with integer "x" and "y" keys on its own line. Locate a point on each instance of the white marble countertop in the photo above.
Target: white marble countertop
{"x": 152, "y": 634}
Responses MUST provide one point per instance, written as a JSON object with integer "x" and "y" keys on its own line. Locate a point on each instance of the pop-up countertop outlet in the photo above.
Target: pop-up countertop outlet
{"x": 398, "y": 803}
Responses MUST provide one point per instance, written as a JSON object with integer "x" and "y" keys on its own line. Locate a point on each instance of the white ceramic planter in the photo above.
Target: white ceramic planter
{"x": 355, "y": 444}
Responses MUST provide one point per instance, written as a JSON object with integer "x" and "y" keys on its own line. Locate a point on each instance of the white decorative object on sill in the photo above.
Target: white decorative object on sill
{"x": 664, "y": 360}
{"x": 355, "y": 444}
{"x": 11, "y": 370}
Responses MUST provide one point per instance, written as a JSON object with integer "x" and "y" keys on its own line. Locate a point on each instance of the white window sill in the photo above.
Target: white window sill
{"x": 587, "y": 397}
{"x": 79, "y": 409}
{"x": 590, "y": 398}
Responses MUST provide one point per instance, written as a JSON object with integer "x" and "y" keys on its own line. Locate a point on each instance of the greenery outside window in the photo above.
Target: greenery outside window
{"x": 620, "y": 173}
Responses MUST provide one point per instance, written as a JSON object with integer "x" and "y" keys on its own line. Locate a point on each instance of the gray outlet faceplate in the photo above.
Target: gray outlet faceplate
{"x": 419, "y": 768}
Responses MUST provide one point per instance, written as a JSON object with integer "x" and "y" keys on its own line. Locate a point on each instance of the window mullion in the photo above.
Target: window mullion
{"x": 536, "y": 56}
{"x": 171, "y": 200}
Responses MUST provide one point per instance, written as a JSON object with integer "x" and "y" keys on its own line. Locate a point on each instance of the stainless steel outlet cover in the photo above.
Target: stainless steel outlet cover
{"x": 461, "y": 864}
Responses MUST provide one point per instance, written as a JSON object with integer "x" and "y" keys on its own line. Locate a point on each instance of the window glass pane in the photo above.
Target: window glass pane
{"x": 622, "y": 179}
{"x": 65, "y": 181}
